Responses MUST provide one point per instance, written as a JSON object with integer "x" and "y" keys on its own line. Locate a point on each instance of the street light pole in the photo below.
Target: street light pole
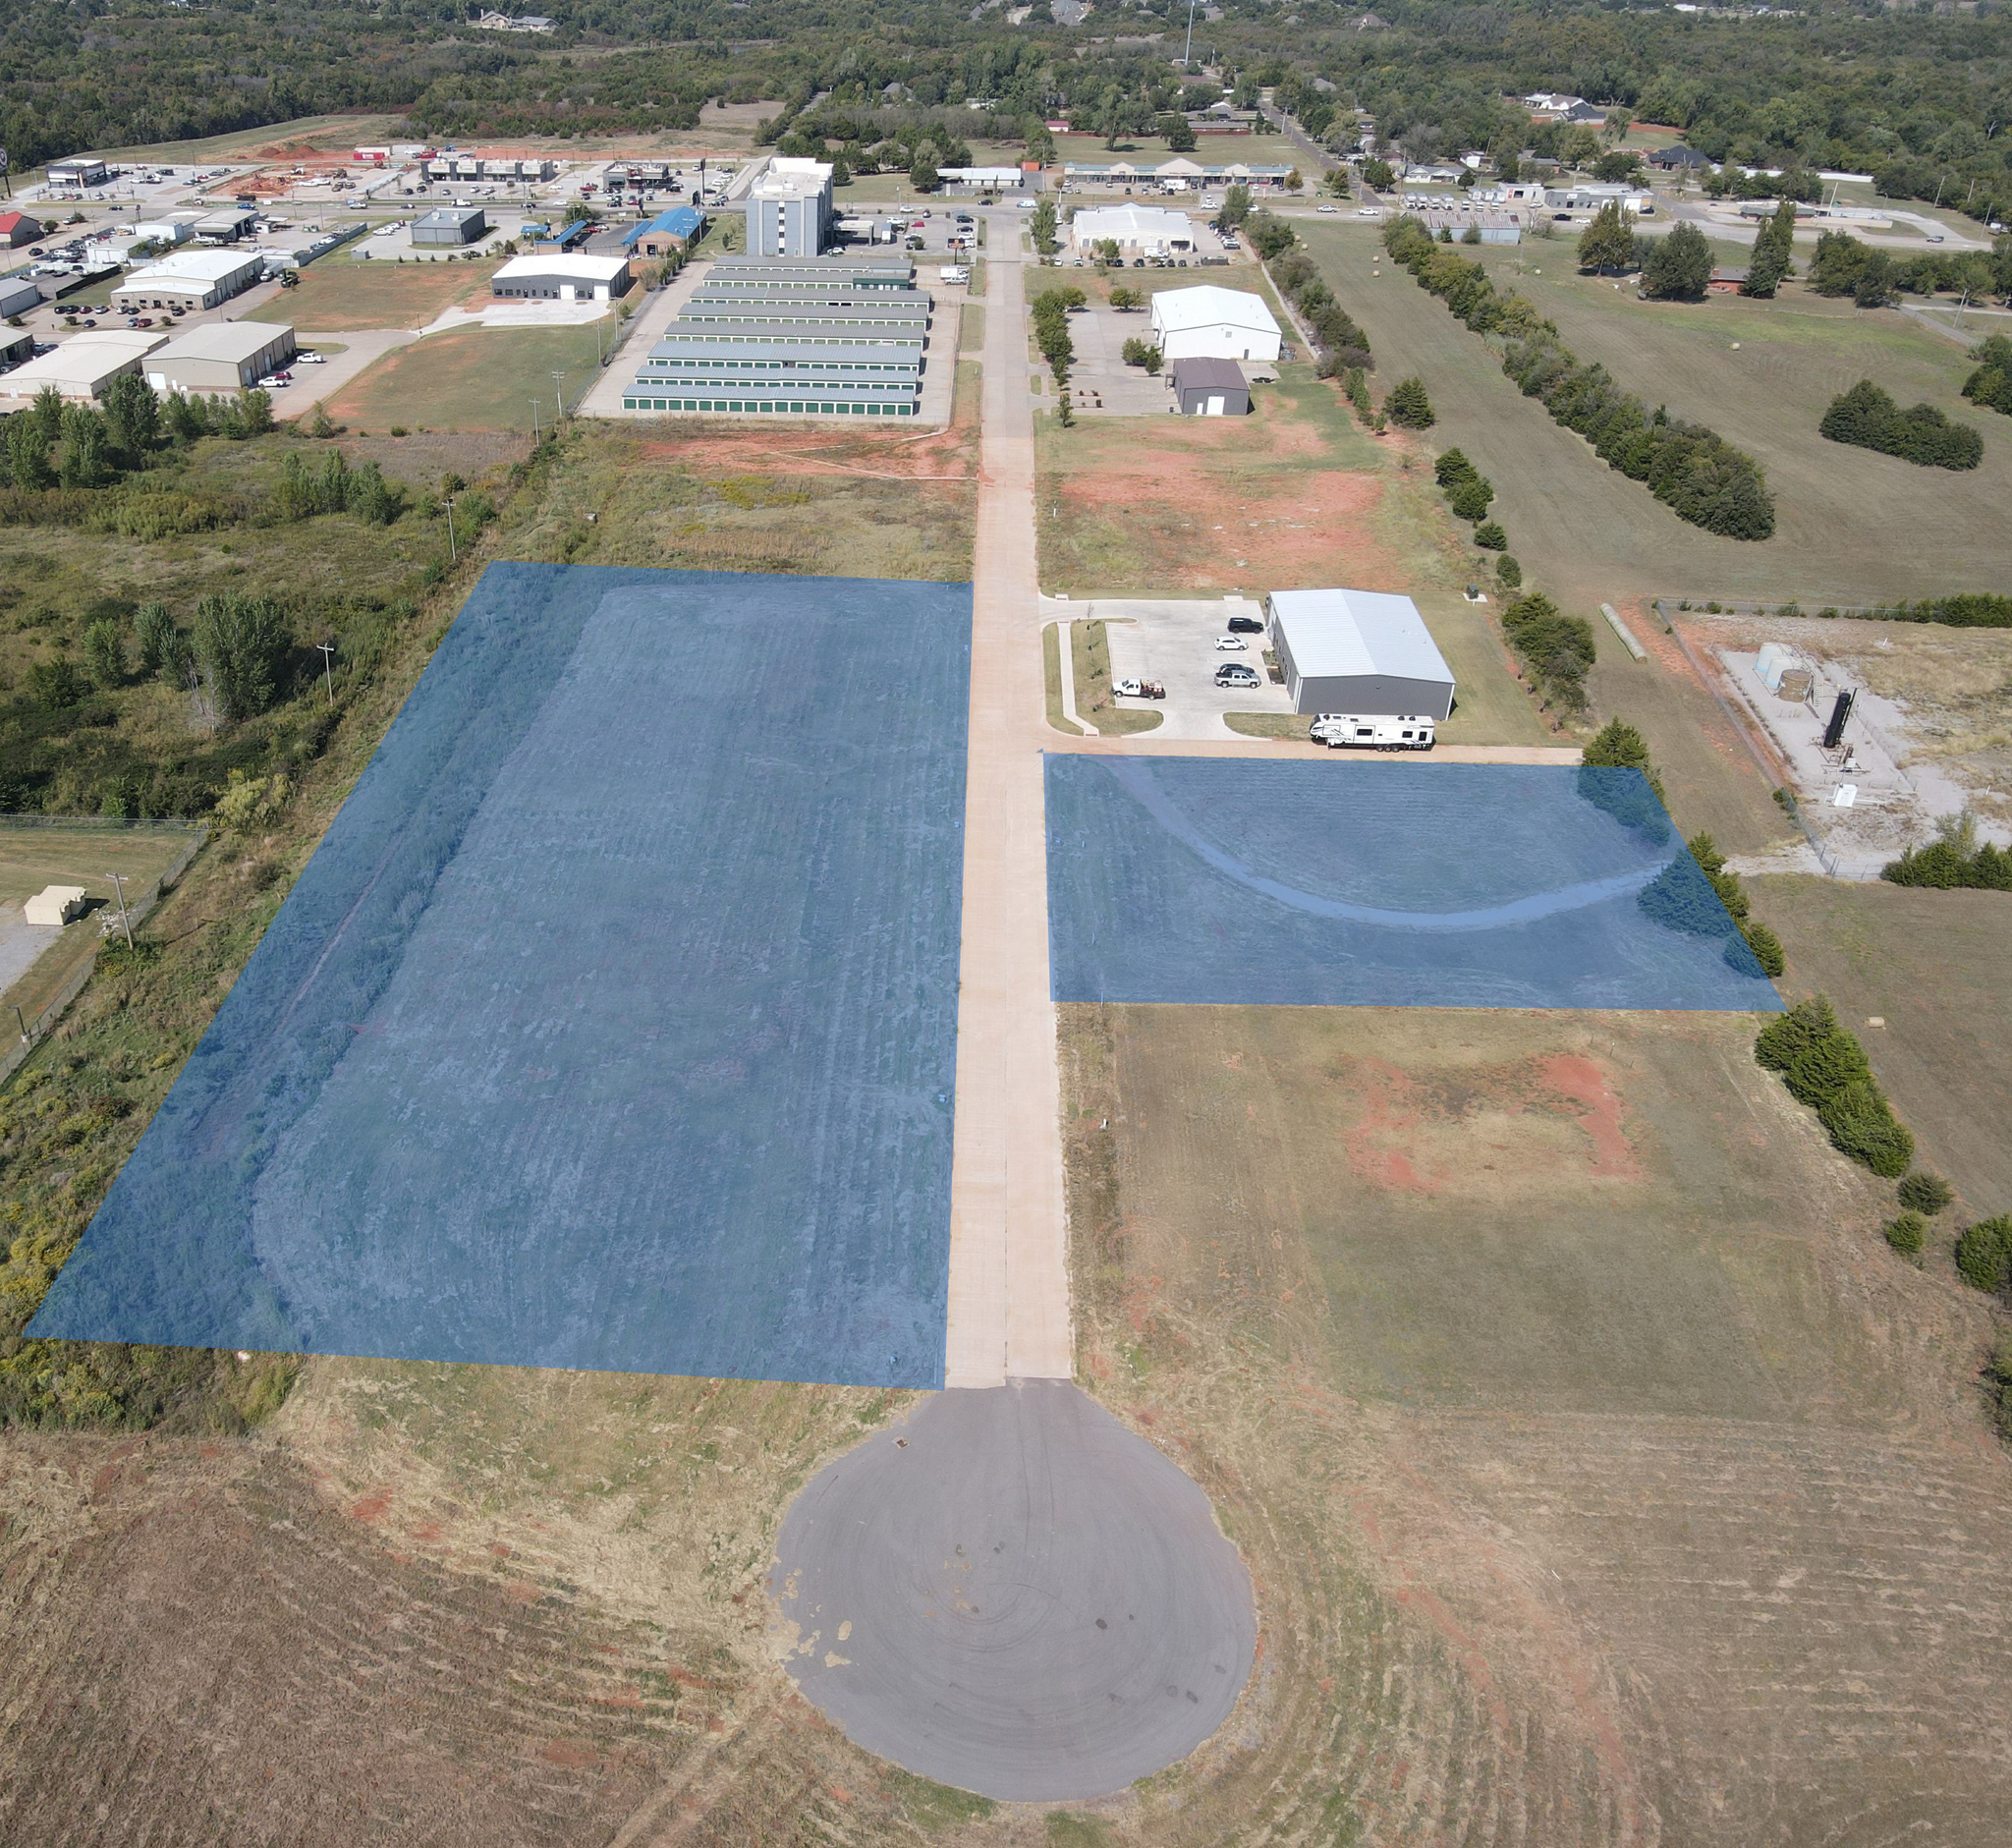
{"x": 453, "y": 552}
{"x": 327, "y": 669}
{"x": 119, "y": 887}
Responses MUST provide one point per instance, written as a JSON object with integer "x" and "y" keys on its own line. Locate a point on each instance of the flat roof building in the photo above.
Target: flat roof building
{"x": 573, "y": 276}
{"x": 190, "y": 279}
{"x": 450, "y": 226}
{"x": 80, "y": 169}
{"x": 1137, "y": 230}
{"x": 1208, "y": 322}
{"x": 1362, "y": 652}
{"x": 83, "y": 365}
{"x": 220, "y": 356}
{"x": 18, "y": 293}
{"x": 789, "y": 209}
{"x": 1209, "y": 388}
{"x": 228, "y": 225}
{"x": 666, "y": 233}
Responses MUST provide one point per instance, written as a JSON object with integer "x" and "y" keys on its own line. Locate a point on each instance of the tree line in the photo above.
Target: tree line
{"x": 1693, "y": 470}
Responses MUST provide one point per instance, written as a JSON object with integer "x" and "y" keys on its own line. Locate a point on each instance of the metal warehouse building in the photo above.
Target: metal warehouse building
{"x": 190, "y": 279}
{"x": 852, "y": 272}
{"x": 222, "y": 357}
{"x": 778, "y": 337}
{"x": 1357, "y": 651}
{"x": 83, "y": 365}
{"x": 572, "y": 277}
{"x": 450, "y": 225}
{"x": 1209, "y": 388}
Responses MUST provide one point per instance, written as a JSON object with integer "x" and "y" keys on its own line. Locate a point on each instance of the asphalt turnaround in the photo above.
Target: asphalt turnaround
{"x": 1011, "y": 1593}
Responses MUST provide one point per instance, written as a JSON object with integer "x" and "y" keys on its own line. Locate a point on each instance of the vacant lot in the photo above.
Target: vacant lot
{"x": 475, "y": 378}
{"x": 1853, "y": 526}
{"x": 722, "y": 494}
{"x": 339, "y": 294}
{"x": 1605, "y": 1477}
{"x": 1938, "y": 968}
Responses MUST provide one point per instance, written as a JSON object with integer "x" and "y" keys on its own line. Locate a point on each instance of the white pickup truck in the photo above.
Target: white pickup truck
{"x": 1345, "y": 731}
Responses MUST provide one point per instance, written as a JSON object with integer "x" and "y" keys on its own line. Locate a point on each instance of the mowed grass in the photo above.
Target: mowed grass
{"x": 1551, "y": 1370}
{"x": 474, "y": 379}
{"x": 339, "y": 295}
{"x": 1937, "y": 967}
{"x": 1852, "y": 527}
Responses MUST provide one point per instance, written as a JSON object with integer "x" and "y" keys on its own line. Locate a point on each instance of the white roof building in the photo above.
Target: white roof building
{"x": 1214, "y": 323}
{"x": 562, "y": 276}
{"x": 83, "y": 365}
{"x": 190, "y": 279}
{"x": 1364, "y": 652}
{"x": 1150, "y": 229}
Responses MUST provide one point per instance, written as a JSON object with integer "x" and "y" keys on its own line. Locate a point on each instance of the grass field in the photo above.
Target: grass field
{"x": 1938, "y": 968}
{"x": 475, "y": 378}
{"x": 339, "y": 295}
{"x": 1603, "y": 1475}
{"x": 1853, "y": 526}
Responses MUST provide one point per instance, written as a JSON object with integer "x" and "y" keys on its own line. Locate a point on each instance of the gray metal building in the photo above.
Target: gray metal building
{"x": 1209, "y": 388}
{"x": 220, "y": 356}
{"x": 1357, "y": 651}
{"x": 450, "y": 225}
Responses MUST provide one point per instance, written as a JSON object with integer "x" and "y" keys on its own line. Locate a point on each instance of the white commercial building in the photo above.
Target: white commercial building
{"x": 1211, "y": 323}
{"x": 83, "y": 365}
{"x": 1137, "y": 231}
{"x": 190, "y": 279}
{"x": 1364, "y": 652}
{"x": 789, "y": 209}
{"x": 571, "y": 276}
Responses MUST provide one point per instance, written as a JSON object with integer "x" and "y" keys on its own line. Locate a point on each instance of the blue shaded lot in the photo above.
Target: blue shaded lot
{"x": 1365, "y": 885}
{"x": 612, "y": 1026}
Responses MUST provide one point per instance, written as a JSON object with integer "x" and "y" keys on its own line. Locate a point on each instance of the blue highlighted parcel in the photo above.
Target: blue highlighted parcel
{"x": 1302, "y": 884}
{"x": 612, "y": 1024}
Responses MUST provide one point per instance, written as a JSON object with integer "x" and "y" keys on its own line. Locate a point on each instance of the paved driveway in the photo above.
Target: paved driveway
{"x": 1172, "y": 641}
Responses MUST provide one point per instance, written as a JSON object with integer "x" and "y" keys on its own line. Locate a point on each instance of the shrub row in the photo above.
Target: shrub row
{"x": 1945, "y": 866}
{"x": 1867, "y": 416}
{"x": 1695, "y": 893}
{"x": 1344, "y": 347}
{"x": 1825, "y": 1068}
{"x": 1555, "y": 649}
{"x": 1694, "y": 470}
{"x": 1990, "y": 385}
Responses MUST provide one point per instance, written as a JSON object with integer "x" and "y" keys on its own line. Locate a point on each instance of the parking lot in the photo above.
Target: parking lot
{"x": 1173, "y": 642}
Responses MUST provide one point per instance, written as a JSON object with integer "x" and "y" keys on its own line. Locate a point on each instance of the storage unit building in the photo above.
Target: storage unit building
{"x": 1209, "y": 388}
{"x": 190, "y": 279}
{"x": 450, "y": 226}
{"x": 1212, "y": 323}
{"x": 573, "y": 276}
{"x": 1357, "y": 651}
{"x": 83, "y": 365}
{"x": 221, "y": 356}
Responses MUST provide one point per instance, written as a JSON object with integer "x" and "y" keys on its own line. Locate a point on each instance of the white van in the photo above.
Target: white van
{"x": 1348, "y": 731}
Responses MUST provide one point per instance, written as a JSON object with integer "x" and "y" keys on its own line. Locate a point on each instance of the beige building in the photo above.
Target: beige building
{"x": 220, "y": 356}
{"x": 190, "y": 279}
{"x": 83, "y": 366}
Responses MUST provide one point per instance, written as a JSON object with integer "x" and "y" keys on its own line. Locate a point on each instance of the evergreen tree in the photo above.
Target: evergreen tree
{"x": 1409, "y": 406}
{"x": 1771, "y": 253}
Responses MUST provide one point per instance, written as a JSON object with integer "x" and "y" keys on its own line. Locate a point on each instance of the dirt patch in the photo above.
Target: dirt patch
{"x": 426, "y": 455}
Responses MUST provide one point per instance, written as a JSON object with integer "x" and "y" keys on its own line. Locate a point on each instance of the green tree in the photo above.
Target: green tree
{"x": 104, "y": 654}
{"x": 1907, "y": 1234}
{"x": 1679, "y": 267}
{"x": 841, "y": 170}
{"x": 153, "y": 628}
{"x": 1125, "y": 298}
{"x": 922, "y": 176}
{"x": 1508, "y": 573}
{"x": 1491, "y": 537}
{"x": 1608, "y": 243}
{"x": 1876, "y": 287}
{"x": 1452, "y": 466}
{"x": 132, "y": 418}
{"x": 1407, "y": 405}
{"x": 255, "y": 412}
{"x": 1236, "y": 206}
{"x": 1991, "y": 385}
{"x": 87, "y": 453}
{"x": 1042, "y": 226}
{"x": 1469, "y": 499}
{"x": 47, "y": 410}
{"x": 1180, "y": 136}
{"x": 1378, "y": 175}
{"x": 1771, "y": 253}
{"x": 240, "y": 643}
{"x": 1924, "y": 1193}
{"x": 27, "y": 453}
{"x": 1983, "y": 1254}
{"x": 57, "y": 682}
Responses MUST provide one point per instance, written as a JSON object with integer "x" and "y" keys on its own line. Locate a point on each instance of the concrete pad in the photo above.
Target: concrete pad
{"x": 317, "y": 384}
{"x": 1172, "y": 640}
{"x": 1012, "y": 1593}
{"x": 1102, "y": 383}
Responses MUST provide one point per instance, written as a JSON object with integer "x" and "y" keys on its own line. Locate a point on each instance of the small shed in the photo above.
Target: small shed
{"x": 450, "y": 226}
{"x": 1209, "y": 388}
{"x": 55, "y": 906}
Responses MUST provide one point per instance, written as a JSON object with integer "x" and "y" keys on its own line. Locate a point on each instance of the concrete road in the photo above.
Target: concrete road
{"x": 1012, "y": 1593}
{"x": 1009, "y": 1268}
{"x": 317, "y": 384}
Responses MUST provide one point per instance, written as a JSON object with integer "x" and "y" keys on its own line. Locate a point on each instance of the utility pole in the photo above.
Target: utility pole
{"x": 1188, "y": 50}
{"x": 534, "y": 423}
{"x": 327, "y": 669}
{"x": 119, "y": 887}
{"x": 453, "y": 552}
{"x": 559, "y": 392}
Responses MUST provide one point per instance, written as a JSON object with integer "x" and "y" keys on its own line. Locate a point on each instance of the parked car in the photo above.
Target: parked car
{"x": 1369, "y": 212}
{"x": 1245, "y": 625}
{"x": 1236, "y": 674}
{"x": 1138, "y": 689}
{"x": 1231, "y": 645}
{"x": 310, "y": 358}
{"x": 1327, "y": 211}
